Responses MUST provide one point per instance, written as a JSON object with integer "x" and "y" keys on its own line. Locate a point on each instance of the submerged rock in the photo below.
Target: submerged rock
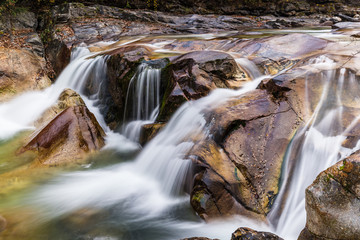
{"x": 69, "y": 136}
{"x": 20, "y": 71}
{"x": 333, "y": 202}
{"x": 250, "y": 234}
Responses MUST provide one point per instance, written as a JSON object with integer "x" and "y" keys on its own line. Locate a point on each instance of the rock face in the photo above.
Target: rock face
{"x": 69, "y": 136}
{"x": 332, "y": 202}
{"x": 20, "y": 71}
{"x": 249, "y": 234}
{"x": 238, "y": 172}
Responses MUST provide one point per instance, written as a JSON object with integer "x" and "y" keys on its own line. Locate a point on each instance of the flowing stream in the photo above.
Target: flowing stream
{"x": 144, "y": 197}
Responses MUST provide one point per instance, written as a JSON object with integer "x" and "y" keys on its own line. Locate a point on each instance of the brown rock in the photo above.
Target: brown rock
{"x": 239, "y": 166}
{"x": 20, "y": 71}
{"x": 194, "y": 75}
{"x": 58, "y": 54}
{"x": 69, "y": 136}
{"x": 149, "y": 131}
{"x": 248, "y": 233}
{"x": 68, "y": 98}
{"x": 332, "y": 201}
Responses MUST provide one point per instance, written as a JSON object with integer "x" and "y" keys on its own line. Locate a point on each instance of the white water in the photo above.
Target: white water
{"x": 142, "y": 100}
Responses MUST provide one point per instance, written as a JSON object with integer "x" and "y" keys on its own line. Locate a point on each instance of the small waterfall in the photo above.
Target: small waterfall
{"x": 142, "y": 99}
{"x": 313, "y": 149}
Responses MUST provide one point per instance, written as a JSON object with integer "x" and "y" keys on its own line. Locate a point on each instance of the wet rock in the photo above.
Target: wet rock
{"x": 69, "y": 136}
{"x": 121, "y": 67}
{"x": 238, "y": 172}
{"x": 332, "y": 201}
{"x": 194, "y": 75}
{"x": 20, "y": 71}
{"x": 247, "y": 233}
{"x": 68, "y": 98}
{"x": 2, "y": 223}
{"x": 149, "y": 131}
{"x": 58, "y": 55}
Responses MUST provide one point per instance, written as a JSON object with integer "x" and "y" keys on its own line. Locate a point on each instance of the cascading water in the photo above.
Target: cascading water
{"x": 142, "y": 99}
{"x": 321, "y": 142}
{"x": 144, "y": 197}
{"x": 149, "y": 189}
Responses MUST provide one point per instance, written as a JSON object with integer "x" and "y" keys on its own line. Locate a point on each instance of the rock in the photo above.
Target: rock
{"x": 121, "y": 67}
{"x": 149, "y": 131}
{"x": 332, "y": 201}
{"x": 58, "y": 55}
{"x": 36, "y": 44}
{"x": 232, "y": 177}
{"x": 20, "y": 71}
{"x": 68, "y": 98}
{"x": 2, "y": 223}
{"x": 194, "y": 75}
{"x": 247, "y": 233}
{"x": 346, "y": 25}
{"x": 69, "y": 136}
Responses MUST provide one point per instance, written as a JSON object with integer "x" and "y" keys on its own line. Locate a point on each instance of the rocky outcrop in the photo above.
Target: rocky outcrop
{"x": 69, "y": 136}
{"x": 20, "y": 71}
{"x": 248, "y": 233}
{"x": 332, "y": 202}
{"x": 193, "y": 75}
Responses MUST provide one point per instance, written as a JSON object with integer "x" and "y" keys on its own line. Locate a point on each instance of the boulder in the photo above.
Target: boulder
{"x": 121, "y": 67}
{"x": 238, "y": 166}
{"x": 332, "y": 202}
{"x": 69, "y": 136}
{"x": 20, "y": 71}
{"x": 248, "y": 233}
{"x": 193, "y": 75}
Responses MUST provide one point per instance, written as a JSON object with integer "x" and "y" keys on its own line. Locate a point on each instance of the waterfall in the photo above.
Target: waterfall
{"x": 142, "y": 99}
{"x": 320, "y": 143}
